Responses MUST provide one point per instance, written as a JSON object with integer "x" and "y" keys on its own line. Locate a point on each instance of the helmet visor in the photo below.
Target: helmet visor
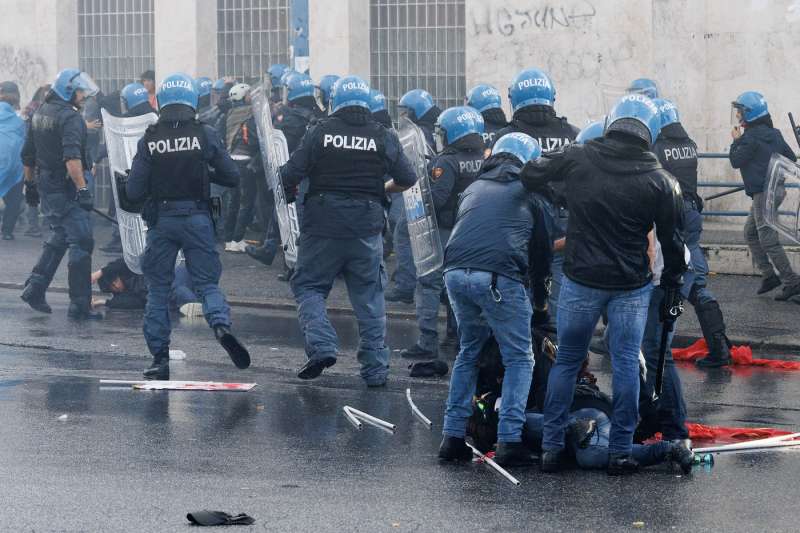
{"x": 84, "y": 82}
{"x": 440, "y": 138}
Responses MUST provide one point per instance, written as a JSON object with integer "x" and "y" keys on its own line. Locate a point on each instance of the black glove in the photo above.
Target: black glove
{"x": 31, "y": 194}
{"x": 85, "y": 200}
{"x": 672, "y": 305}
{"x": 290, "y": 193}
{"x": 541, "y": 317}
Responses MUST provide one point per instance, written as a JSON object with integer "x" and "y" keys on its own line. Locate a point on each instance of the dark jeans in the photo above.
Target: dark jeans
{"x": 13, "y": 201}
{"x": 579, "y": 309}
{"x": 194, "y": 234}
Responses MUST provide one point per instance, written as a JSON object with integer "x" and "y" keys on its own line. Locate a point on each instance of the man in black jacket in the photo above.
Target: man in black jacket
{"x": 500, "y": 241}
{"x": 617, "y": 190}
{"x": 753, "y": 145}
{"x": 677, "y": 153}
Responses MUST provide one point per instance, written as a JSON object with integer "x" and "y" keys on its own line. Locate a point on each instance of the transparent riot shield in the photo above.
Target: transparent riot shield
{"x": 122, "y": 136}
{"x": 275, "y": 153}
{"x": 783, "y": 196}
{"x": 426, "y": 245}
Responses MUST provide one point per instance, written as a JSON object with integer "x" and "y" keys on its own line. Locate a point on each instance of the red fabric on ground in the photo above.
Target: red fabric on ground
{"x": 713, "y": 433}
{"x": 742, "y": 355}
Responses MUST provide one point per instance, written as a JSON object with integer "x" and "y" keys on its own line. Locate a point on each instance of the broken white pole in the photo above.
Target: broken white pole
{"x": 369, "y": 419}
{"x": 416, "y": 412}
{"x": 749, "y": 447}
{"x": 750, "y": 443}
{"x": 351, "y": 418}
{"x": 494, "y": 465}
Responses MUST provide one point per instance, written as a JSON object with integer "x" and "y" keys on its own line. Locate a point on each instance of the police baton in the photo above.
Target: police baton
{"x": 725, "y": 193}
{"x": 666, "y": 328}
{"x": 98, "y": 212}
{"x": 794, "y": 129}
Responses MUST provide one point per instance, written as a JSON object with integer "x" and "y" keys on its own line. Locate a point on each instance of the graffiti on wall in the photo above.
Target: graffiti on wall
{"x": 504, "y": 21}
{"x": 28, "y": 70}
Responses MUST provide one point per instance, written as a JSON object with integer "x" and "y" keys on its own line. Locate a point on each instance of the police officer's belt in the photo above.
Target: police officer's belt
{"x": 182, "y": 207}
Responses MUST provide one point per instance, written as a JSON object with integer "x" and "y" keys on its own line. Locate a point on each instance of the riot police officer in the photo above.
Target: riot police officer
{"x": 134, "y": 100}
{"x": 345, "y": 158}
{"x": 459, "y": 139}
{"x": 486, "y": 99}
{"x": 325, "y": 87}
{"x": 170, "y": 174}
{"x": 56, "y": 168}
{"x": 203, "y": 85}
{"x": 301, "y": 109}
{"x": 533, "y": 95}
{"x": 419, "y": 107}
{"x": 644, "y": 86}
{"x": 677, "y": 153}
{"x": 377, "y": 105}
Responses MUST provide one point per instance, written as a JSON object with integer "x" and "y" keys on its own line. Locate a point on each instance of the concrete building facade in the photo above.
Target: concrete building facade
{"x": 703, "y": 53}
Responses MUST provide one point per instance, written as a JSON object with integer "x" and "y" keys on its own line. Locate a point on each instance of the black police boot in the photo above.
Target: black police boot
{"x": 620, "y": 464}
{"x": 769, "y": 283}
{"x": 787, "y": 292}
{"x": 79, "y": 277}
{"x": 680, "y": 452}
{"x": 393, "y": 295}
{"x": 159, "y": 369}
{"x": 418, "y": 352}
{"x": 454, "y": 449}
{"x": 514, "y": 454}
{"x": 553, "y": 461}
{"x": 580, "y": 432}
{"x": 713, "y": 325}
{"x": 34, "y": 296}
{"x": 314, "y": 367}
{"x": 260, "y": 254}
{"x": 236, "y": 350}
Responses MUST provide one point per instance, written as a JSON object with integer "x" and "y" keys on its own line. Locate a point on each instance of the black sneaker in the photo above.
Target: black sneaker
{"x": 553, "y": 460}
{"x": 621, "y": 465}
{"x": 418, "y": 352}
{"x": 511, "y": 454}
{"x": 159, "y": 368}
{"x": 34, "y": 297}
{"x": 767, "y": 284}
{"x": 260, "y": 254}
{"x": 396, "y": 296}
{"x": 788, "y": 292}
{"x": 680, "y": 453}
{"x": 454, "y": 449}
{"x": 314, "y": 367}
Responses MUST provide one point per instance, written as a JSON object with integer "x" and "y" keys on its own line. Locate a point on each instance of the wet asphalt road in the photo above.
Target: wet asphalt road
{"x": 284, "y": 453}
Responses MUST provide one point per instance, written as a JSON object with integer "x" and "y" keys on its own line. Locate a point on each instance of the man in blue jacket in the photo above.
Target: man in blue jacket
{"x": 754, "y": 142}
{"x": 12, "y": 137}
{"x": 500, "y": 241}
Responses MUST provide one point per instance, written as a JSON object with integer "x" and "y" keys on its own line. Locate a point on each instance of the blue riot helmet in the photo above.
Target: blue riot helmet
{"x": 456, "y": 123}
{"x": 484, "y": 97}
{"x": 635, "y": 114}
{"x": 643, "y": 86}
{"x": 592, "y": 131}
{"x": 667, "y": 111}
{"x": 71, "y": 80}
{"x": 219, "y": 85}
{"x": 350, "y": 91}
{"x": 415, "y": 103}
{"x": 524, "y": 147}
{"x": 325, "y": 86}
{"x": 288, "y": 74}
{"x": 299, "y": 86}
{"x": 203, "y": 85}
{"x": 531, "y": 87}
{"x": 377, "y": 101}
{"x": 748, "y": 107}
{"x": 177, "y": 88}
{"x": 132, "y": 95}
{"x": 275, "y": 72}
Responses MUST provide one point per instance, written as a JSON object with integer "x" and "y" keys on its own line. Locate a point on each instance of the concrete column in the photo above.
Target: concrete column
{"x": 339, "y": 37}
{"x": 38, "y": 38}
{"x": 186, "y": 37}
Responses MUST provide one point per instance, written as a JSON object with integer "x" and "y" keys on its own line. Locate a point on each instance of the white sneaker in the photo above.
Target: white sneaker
{"x": 239, "y": 247}
{"x": 192, "y": 310}
{"x": 229, "y": 246}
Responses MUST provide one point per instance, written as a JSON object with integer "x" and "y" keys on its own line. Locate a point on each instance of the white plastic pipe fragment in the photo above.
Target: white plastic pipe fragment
{"x": 369, "y": 419}
{"x": 416, "y": 412}
{"x": 750, "y": 443}
{"x": 494, "y": 465}
{"x": 351, "y": 418}
{"x": 750, "y": 447}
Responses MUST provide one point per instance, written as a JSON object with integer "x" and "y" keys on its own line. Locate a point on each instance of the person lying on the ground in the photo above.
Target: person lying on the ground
{"x": 129, "y": 291}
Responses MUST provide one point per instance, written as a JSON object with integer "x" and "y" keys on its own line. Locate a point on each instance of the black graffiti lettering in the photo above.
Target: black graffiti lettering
{"x": 570, "y": 14}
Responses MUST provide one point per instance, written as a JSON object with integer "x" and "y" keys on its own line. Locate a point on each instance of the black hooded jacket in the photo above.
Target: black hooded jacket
{"x": 500, "y": 227}
{"x": 616, "y": 192}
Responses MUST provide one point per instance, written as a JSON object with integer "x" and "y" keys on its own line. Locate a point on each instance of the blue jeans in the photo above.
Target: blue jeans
{"x": 194, "y": 234}
{"x": 319, "y": 261}
{"x": 694, "y": 280}
{"x": 556, "y": 275}
{"x": 405, "y": 276}
{"x": 595, "y": 455}
{"x": 427, "y": 297}
{"x": 671, "y": 406}
{"x": 579, "y": 309}
{"x": 479, "y": 314}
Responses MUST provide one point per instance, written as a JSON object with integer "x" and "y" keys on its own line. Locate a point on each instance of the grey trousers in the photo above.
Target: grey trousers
{"x": 766, "y": 249}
